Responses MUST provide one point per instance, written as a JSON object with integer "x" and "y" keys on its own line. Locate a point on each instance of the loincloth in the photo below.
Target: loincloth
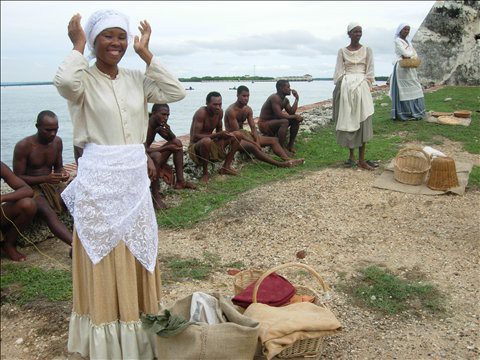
{"x": 217, "y": 153}
{"x": 51, "y": 192}
{"x": 247, "y": 135}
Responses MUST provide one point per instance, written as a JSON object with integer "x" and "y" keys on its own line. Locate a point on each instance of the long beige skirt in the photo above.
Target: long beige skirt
{"x": 108, "y": 299}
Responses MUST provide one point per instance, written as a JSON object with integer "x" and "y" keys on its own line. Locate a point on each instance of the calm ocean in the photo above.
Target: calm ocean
{"x": 20, "y": 106}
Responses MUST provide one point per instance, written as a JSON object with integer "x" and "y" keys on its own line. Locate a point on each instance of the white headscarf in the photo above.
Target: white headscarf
{"x": 101, "y": 20}
{"x": 352, "y": 25}
{"x": 399, "y": 29}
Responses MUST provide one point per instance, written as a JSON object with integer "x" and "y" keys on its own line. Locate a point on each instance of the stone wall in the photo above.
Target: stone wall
{"x": 448, "y": 42}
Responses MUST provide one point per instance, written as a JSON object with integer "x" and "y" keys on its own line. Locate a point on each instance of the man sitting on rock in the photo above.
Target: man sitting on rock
{"x": 37, "y": 160}
{"x": 208, "y": 142}
{"x": 157, "y": 124}
{"x": 18, "y": 209}
{"x": 276, "y": 122}
{"x": 251, "y": 142}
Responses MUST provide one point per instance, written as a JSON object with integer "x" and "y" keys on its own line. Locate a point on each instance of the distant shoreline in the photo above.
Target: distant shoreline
{"x": 34, "y": 83}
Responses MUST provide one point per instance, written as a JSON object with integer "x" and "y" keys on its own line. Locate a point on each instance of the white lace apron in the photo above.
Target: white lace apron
{"x": 356, "y": 103}
{"x": 110, "y": 200}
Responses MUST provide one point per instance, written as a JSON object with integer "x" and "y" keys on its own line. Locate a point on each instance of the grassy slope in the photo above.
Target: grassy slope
{"x": 320, "y": 150}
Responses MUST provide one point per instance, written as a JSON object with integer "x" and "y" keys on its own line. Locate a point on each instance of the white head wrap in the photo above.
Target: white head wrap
{"x": 399, "y": 29}
{"x": 101, "y": 20}
{"x": 352, "y": 25}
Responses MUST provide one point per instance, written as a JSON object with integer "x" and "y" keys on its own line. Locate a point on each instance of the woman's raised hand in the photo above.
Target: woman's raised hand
{"x": 141, "y": 44}
{"x": 76, "y": 33}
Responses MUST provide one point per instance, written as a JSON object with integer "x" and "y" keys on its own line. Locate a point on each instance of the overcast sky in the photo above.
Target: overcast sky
{"x": 199, "y": 38}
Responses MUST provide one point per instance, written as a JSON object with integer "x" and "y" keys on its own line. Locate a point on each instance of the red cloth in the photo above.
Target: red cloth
{"x": 275, "y": 290}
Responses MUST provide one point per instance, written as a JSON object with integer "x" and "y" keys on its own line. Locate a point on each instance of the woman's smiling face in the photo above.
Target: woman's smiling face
{"x": 110, "y": 46}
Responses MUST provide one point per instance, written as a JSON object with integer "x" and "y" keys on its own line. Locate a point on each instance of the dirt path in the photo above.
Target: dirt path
{"x": 343, "y": 224}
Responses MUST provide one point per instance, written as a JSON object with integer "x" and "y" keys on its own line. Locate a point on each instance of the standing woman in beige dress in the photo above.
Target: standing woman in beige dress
{"x": 352, "y": 100}
{"x": 115, "y": 240}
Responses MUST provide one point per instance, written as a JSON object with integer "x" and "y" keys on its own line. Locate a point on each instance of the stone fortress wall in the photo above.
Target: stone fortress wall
{"x": 448, "y": 43}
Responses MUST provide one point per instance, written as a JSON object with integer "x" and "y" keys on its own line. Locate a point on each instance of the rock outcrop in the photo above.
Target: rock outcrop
{"x": 448, "y": 42}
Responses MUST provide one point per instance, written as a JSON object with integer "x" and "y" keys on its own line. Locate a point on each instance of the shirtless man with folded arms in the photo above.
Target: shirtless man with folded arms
{"x": 276, "y": 122}
{"x": 208, "y": 141}
{"x": 158, "y": 124}
{"x": 37, "y": 160}
{"x": 252, "y": 142}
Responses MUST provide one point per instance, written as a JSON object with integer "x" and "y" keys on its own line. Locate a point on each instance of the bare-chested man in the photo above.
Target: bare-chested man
{"x": 18, "y": 209}
{"x": 208, "y": 146}
{"x": 252, "y": 142}
{"x": 157, "y": 124}
{"x": 275, "y": 122}
{"x": 38, "y": 161}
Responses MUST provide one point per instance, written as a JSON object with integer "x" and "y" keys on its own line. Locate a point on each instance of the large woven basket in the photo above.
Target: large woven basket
{"x": 410, "y": 63}
{"x": 443, "y": 174}
{"x": 301, "y": 349}
{"x": 411, "y": 166}
{"x": 462, "y": 113}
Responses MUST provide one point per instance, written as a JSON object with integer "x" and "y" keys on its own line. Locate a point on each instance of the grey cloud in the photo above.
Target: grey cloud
{"x": 296, "y": 43}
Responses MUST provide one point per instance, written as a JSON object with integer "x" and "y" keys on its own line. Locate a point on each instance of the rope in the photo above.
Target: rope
{"x": 32, "y": 243}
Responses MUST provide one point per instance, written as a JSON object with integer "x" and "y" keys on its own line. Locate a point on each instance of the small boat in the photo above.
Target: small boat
{"x": 234, "y": 88}
{"x": 190, "y": 88}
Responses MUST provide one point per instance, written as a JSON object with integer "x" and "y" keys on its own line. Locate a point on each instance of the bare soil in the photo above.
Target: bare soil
{"x": 343, "y": 224}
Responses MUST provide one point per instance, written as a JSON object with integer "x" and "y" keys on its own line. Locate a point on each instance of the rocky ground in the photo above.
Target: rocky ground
{"x": 343, "y": 224}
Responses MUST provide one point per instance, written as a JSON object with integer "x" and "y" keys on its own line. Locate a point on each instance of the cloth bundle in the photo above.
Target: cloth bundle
{"x": 234, "y": 337}
{"x": 275, "y": 290}
{"x": 280, "y": 327}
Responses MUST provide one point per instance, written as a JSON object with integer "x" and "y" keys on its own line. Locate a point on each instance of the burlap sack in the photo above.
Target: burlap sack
{"x": 235, "y": 339}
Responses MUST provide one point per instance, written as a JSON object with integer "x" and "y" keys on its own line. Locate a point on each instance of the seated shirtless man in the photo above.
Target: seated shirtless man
{"x": 275, "y": 122}
{"x": 37, "y": 160}
{"x": 208, "y": 142}
{"x": 157, "y": 124}
{"x": 251, "y": 142}
{"x": 18, "y": 209}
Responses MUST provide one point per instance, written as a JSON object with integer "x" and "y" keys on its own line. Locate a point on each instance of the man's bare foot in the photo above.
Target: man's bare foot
{"x": 364, "y": 165}
{"x": 12, "y": 253}
{"x": 293, "y": 162}
{"x": 227, "y": 171}
{"x": 158, "y": 203}
{"x": 289, "y": 153}
{"x": 184, "y": 185}
{"x": 291, "y": 149}
{"x": 205, "y": 178}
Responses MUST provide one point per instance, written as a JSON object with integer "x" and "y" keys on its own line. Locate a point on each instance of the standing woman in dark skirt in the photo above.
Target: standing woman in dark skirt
{"x": 352, "y": 98}
{"x": 405, "y": 89}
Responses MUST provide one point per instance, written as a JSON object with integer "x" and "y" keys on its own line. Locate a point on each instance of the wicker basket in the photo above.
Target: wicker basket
{"x": 449, "y": 120}
{"x": 462, "y": 113}
{"x": 410, "y": 63}
{"x": 441, "y": 113}
{"x": 301, "y": 349}
{"x": 443, "y": 174}
{"x": 411, "y": 166}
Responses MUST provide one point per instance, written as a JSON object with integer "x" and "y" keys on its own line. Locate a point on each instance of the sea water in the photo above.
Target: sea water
{"x": 20, "y": 106}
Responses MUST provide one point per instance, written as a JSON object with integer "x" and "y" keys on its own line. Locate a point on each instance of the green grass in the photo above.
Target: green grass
{"x": 321, "y": 150}
{"x": 178, "y": 269}
{"x": 382, "y": 291}
{"x": 22, "y": 284}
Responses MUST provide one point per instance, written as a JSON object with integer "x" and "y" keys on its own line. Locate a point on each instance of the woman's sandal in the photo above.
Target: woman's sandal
{"x": 372, "y": 163}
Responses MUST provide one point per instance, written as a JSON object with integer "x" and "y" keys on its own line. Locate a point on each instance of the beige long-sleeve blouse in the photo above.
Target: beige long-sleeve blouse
{"x": 109, "y": 111}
